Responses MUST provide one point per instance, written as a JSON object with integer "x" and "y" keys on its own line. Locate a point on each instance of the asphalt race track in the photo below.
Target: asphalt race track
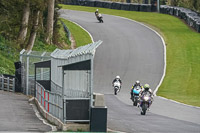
{"x": 16, "y": 115}
{"x": 134, "y": 52}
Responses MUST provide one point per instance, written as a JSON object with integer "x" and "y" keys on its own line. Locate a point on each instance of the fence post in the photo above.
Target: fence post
{"x": 27, "y": 73}
{"x": 8, "y": 83}
{"x": 13, "y": 84}
{"x": 21, "y": 54}
{"x": 48, "y": 102}
{"x": 158, "y": 6}
{"x": 3, "y": 83}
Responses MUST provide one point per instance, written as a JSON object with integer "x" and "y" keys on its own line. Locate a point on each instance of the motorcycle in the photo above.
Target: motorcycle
{"x": 135, "y": 97}
{"x": 117, "y": 87}
{"x": 99, "y": 17}
{"x": 145, "y": 102}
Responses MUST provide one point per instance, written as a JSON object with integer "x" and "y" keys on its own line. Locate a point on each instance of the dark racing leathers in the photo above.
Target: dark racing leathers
{"x": 149, "y": 92}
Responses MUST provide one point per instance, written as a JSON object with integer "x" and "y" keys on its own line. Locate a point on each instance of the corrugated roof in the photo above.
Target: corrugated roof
{"x": 65, "y": 54}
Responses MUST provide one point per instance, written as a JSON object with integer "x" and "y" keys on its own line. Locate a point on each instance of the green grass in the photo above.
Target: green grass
{"x": 182, "y": 79}
{"x": 81, "y": 36}
{"x": 63, "y": 35}
{"x": 41, "y": 46}
{"x": 8, "y": 55}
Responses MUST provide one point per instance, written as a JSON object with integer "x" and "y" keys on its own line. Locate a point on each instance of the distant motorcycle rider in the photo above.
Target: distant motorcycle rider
{"x": 97, "y": 12}
{"x": 145, "y": 90}
{"x": 117, "y": 78}
{"x": 137, "y": 83}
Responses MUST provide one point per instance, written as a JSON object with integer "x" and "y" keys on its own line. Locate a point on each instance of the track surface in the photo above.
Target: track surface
{"x": 16, "y": 115}
{"x": 134, "y": 52}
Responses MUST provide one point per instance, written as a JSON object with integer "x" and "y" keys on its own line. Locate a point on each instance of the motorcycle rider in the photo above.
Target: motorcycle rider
{"x": 117, "y": 78}
{"x": 137, "y": 83}
{"x": 97, "y": 12}
{"x": 144, "y": 90}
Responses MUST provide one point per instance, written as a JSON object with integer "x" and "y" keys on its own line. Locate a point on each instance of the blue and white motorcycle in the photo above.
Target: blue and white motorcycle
{"x": 135, "y": 95}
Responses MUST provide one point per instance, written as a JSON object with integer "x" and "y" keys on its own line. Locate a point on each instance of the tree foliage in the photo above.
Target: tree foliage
{"x": 11, "y": 20}
{"x": 191, "y": 4}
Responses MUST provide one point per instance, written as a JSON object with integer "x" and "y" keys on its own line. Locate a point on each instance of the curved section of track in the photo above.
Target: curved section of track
{"x": 134, "y": 52}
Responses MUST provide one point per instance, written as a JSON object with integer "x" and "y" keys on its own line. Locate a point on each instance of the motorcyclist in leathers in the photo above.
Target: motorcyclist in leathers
{"x": 146, "y": 89}
{"x": 137, "y": 83}
{"x": 117, "y": 79}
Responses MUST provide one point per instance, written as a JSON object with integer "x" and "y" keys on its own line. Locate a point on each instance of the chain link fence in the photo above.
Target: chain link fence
{"x": 28, "y": 58}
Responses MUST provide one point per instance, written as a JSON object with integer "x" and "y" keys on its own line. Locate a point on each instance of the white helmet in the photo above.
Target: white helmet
{"x": 117, "y": 77}
{"x": 137, "y": 82}
{"x": 97, "y": 10}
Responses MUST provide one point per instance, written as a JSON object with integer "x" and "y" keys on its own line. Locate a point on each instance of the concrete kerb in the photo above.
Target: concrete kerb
{"x": 60, "y": 125}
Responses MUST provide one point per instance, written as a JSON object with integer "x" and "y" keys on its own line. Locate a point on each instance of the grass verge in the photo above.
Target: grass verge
{"x": 182, "y": 79}
{"x": 81, "y": 37}
{"x": 8, "y": 55}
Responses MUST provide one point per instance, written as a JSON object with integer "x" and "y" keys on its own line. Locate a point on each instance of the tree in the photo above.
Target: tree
{"x": 24, "y": 23}
{"x": 33, "y": 31}
{"x": 10, "y": 16}
{"x": 50, "y": 21}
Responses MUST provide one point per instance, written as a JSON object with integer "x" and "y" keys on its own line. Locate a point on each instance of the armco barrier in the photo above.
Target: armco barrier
{"x": 90, "y": 3}
{"x": 107, "y": 4}
{"x": 116, "y": 5}
{"x": 112, "y": 5}
{"x": 125, "y": 6}
{"x": 99, "y": 4}
{"x": 145, "y": 8}
{"x": 197, "y": 27}
{"x": 134, "y": 7}
{"x": 190, "y": 17}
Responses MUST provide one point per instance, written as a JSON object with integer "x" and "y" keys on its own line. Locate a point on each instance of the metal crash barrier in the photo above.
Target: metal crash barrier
{"x": 7, "y": 83}
{"x": 51, "y": 102}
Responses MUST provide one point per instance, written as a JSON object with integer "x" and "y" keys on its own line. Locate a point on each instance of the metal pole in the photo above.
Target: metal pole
{"x": 21, "y": 54}
{"x": 27, "y": 72}
{"x": 13, "y": 84}
{"x": 42, "y": 75}
{"x": 91, "y": 82}
{"x": 158, "y": 5}
{"x": 2, "y": 82}
{"x": 63, "y": 93}
{"x": 8, "y": 84}
{"x": 35, "y": 81}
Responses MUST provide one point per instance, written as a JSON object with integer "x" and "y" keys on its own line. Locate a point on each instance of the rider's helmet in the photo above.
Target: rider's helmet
{"x": 146, "y": 87}
{"x": 97, "y": 10}
{"x": 137, "y": 82}
{"x": 117, "y": 77}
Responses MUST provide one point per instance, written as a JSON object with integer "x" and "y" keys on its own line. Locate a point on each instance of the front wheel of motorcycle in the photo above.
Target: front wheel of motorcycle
{"x": 115, "y": 91}
{"x": 134, "y": 103}
{"x": 144, "y": 109}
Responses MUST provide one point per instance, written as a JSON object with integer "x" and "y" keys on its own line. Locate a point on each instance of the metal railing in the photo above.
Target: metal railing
{"x": 66, "y": 30}
{"x": 7, "y": 83}
{"x": 28, "y": 58}
{"x": 51, "y": 102}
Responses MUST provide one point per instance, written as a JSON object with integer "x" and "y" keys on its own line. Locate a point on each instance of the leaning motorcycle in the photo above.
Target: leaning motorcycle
{"x": 117, "y": 87}
{"x": 135, "y": 97}
{"x": 145, "y": 102}
{"x": 99, "y": 18}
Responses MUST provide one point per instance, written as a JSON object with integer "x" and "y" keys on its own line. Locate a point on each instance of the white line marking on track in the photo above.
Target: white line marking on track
{"x": 84, "y": 30}
{"x": 165, "y": 64}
